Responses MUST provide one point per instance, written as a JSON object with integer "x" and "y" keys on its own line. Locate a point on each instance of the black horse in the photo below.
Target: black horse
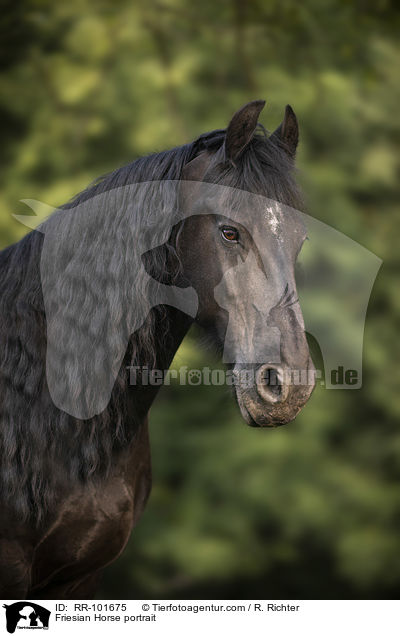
{"x": 74, "y": 461}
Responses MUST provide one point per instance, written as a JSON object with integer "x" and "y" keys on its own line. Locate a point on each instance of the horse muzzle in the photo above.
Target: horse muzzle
{"x": 277, "y": 394}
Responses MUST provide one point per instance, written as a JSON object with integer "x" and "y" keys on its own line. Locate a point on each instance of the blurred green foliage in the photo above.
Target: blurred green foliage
{"x": 310, "y": 510}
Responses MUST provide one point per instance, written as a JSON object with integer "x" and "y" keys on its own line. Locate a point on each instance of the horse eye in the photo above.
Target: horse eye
{"x": 230, "y": 234}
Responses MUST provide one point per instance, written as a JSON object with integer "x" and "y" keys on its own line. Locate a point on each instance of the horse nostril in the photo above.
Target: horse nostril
{"x": 270, "y": 385}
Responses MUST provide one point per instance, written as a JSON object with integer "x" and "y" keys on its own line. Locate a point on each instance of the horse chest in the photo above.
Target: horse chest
{"x": 94, "y": 525}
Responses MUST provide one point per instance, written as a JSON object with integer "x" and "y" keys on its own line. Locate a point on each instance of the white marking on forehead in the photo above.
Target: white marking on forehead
{"x": 274, "y": 221}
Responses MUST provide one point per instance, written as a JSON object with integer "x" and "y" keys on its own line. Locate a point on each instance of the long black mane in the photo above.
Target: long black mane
{"x": 42, "y": 448}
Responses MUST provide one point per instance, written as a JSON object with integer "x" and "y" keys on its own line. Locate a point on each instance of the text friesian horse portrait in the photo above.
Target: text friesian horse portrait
{"x": 205, "y": 233}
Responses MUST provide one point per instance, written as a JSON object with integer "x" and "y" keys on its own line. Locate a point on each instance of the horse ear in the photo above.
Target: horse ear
{"x": 287, "y": 132}
{"x": 241, "y": 129}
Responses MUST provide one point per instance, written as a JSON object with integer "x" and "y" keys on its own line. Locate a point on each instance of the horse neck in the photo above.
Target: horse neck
{"x": 175, "y": 325}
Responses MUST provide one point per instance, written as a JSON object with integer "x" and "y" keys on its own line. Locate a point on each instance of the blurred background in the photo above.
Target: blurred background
{"x": 311, "y": 510}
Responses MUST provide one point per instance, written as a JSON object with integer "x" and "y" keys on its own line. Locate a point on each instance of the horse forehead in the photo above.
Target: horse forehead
{"x": 270, "y": 224}
{"x": 260, "y": 215}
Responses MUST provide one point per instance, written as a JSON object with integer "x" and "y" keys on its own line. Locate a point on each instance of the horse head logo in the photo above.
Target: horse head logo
{"x": 97, "y": 291}
{"x": 26, "y": 615}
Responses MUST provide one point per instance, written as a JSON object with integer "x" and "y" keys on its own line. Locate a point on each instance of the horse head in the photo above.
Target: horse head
{"x": 238, "y": 247}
